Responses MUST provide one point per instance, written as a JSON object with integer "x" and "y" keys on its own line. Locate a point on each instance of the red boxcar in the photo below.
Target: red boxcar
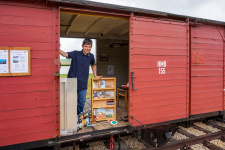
{"x": 176, "y": 67}
{"x": 28, "y": 104}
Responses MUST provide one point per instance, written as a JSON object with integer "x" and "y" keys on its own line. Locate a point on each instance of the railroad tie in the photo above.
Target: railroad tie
{"x": 185, "y": 133}
{"x": 201, "y": 129}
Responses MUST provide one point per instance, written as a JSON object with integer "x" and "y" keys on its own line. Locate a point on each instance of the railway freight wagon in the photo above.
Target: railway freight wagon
{"x": 174, "y": 65}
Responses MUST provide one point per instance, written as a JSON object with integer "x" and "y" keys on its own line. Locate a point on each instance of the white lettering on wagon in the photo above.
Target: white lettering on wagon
{"x": 161, "y": 67}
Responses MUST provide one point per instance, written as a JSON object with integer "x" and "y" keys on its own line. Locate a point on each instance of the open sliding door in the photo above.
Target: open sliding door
{"x": 159, "y": 62}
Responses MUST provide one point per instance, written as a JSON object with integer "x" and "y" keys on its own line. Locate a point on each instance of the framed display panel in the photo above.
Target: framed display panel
{"x": 15, "y": 61}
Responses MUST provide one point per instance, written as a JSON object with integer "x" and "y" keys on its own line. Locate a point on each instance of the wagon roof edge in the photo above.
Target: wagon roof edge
{"x": 135, "y": 10}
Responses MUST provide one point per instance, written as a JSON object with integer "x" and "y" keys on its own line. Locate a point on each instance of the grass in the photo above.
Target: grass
{"x": 63, "y": 75}
{"x": 89, "y": 86}
{"x": 89, "y": 83}
{"x": 65, "y": 62}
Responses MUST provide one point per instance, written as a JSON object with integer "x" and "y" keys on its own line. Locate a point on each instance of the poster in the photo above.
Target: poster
{"x": 110, "y": 69}
{"x": 19, "y": 61}
{"x": 4, "y": 62}
{"x": 104, "y": 57}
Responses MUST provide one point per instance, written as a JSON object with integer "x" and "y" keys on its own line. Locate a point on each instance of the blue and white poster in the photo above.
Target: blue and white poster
{"x": 4, "y": 67}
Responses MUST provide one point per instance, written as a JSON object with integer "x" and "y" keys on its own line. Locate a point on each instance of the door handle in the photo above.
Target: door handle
{"x": 132, "y": 82}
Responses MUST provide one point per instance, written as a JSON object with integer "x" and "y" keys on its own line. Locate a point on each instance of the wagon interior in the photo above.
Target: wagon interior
{"x": 112, "y": 38}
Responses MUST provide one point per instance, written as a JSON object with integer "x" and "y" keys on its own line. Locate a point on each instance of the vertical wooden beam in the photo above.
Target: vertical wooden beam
{"x": 56, "y": 65}
{"x": 188, "y": 68}
{"x": 130, "y": 65}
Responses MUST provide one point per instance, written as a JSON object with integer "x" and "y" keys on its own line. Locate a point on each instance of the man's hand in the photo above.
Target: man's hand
{"x": 94, "y": 72}
{"x": 64, "y": 54}
{"x": 98, "y": 77}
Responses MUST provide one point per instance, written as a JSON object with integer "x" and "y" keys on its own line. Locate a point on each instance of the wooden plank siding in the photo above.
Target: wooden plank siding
{"x": 207, "y": 64}
{"x": 117, "y": 56}
{"x": 159, "y": 97}
{"x": 28, "y": 103}
{"x": 223, "y": 68}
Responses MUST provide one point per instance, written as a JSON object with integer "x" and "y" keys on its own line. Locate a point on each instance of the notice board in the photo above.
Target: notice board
{"x": 14, "y": 61}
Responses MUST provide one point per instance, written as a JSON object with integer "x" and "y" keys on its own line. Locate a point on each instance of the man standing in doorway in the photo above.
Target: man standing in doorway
{"x": 80, "y": 69}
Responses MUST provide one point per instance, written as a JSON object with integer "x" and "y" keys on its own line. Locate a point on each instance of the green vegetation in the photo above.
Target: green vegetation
{"x": 65, "y": 62}
{"x": 89, "y": 83}
{"x": 89, "y": 86}
{"x": 63, "y": 75}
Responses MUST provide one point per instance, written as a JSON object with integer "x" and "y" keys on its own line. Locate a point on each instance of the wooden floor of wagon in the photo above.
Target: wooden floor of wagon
{"x": 101, "y": 125}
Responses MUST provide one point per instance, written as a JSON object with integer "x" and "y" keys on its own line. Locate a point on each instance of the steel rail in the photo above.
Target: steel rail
{"x": 190, "y": 141}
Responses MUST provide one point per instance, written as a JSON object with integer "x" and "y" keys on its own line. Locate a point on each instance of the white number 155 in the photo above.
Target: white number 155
{"x": 162, "y": 70}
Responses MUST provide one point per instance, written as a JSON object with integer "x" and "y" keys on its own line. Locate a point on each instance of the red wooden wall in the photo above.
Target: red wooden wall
{"x": 160, "y": 95}
{"x": 28, "y": 104}
{"x": 207, "y": 63}
{"x": 223, "y": 67}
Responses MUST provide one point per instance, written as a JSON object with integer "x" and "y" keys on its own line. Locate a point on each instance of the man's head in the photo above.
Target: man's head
{"x": 87, "y": 45}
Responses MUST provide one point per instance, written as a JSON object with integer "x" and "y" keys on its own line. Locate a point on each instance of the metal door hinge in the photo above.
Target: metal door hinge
{"x": 132, "y": 82}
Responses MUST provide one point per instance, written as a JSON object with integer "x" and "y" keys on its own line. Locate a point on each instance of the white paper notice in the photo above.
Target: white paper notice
{"x": 110, "y": 69}
{"x": 4, "y": 62}
{"x": 19, "y": 61}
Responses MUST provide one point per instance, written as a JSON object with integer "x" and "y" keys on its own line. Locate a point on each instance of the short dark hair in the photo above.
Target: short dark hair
{"x": 87, "y": 41}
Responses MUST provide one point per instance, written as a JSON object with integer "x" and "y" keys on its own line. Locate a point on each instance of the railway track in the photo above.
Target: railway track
{"x": 208, "y": 136}
{"x": 199, "y": 136}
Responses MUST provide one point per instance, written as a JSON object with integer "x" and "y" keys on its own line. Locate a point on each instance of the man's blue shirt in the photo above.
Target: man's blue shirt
{"x": 80, "y": 67}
